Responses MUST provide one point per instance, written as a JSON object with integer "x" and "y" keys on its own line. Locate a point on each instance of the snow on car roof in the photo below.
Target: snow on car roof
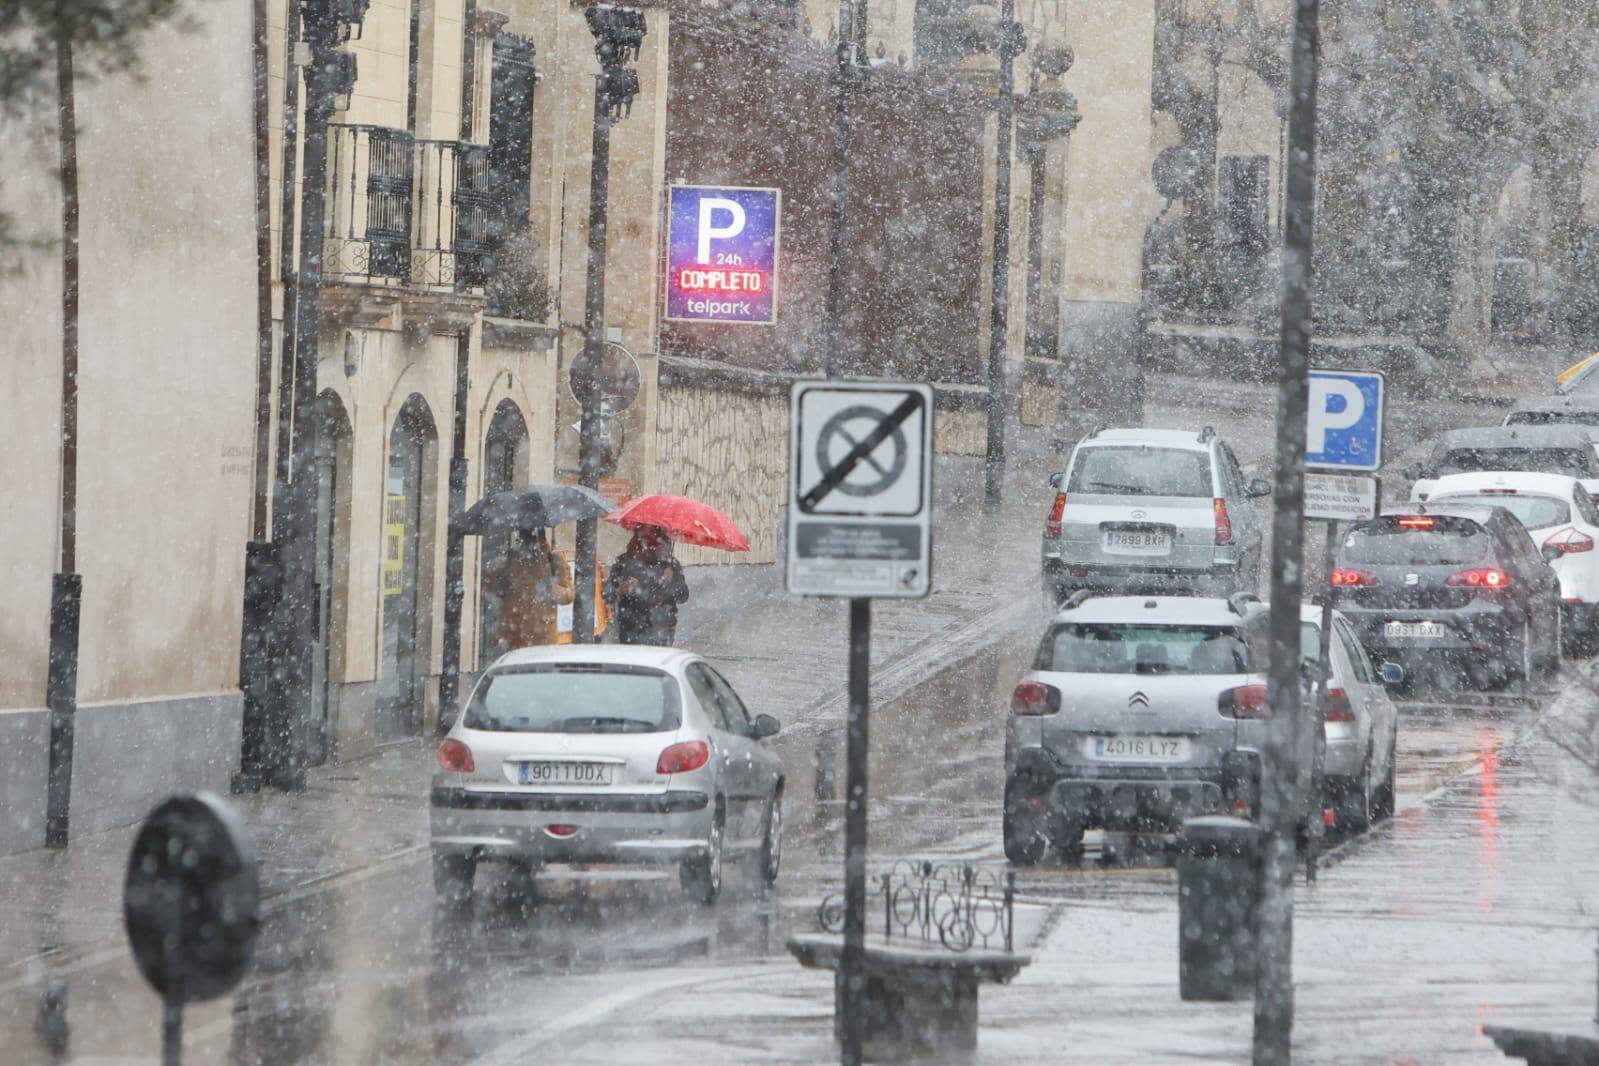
{"x": 1166, "y": 438}
{"x": 1581, "y": 402}
{"x": 1519, "y": 481}
{"x": 1170, "y": 610}
{"x": 598, "y": 654}
{"x": 1510, "y": 436}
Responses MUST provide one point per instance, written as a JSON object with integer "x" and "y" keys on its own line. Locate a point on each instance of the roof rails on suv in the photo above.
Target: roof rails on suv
{"x": 1207, "y": 434}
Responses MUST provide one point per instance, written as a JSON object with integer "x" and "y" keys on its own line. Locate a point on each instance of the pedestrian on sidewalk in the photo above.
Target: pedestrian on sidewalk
{"x": 535, "y": 582}
{"x": 644, "y": 589}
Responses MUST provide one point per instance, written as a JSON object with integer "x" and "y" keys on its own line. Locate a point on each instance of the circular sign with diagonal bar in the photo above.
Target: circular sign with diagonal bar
{"x": 860, "y": 488}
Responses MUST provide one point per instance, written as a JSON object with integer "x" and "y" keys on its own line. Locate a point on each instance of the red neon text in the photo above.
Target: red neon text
{"x": 721, "y": 280}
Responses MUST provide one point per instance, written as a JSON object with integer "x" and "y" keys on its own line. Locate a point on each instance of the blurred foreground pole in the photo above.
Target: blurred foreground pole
{"x": 851, "y": 23}
{"x": 618, "y": 36}
{"x": 852, "y": 967}
{"x": 1011, "y": 44}
{"x": 1282, "y": 801}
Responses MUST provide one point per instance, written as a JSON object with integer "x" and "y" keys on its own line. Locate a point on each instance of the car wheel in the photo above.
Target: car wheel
{"x": 452, "y": 878}
{"x": 772, "y": 846}
{"x": 1025, "y": 844}
{"x": 702, "y": 877}
{"x": 1551, "y": 660}
{"x": 1354, "y": 801}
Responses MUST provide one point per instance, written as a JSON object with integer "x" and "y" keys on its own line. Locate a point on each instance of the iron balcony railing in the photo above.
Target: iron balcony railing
{"x": 406, "y": 211}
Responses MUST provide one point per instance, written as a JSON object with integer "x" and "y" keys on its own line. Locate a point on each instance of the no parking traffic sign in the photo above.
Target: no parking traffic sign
{"x": 860, "y": 489}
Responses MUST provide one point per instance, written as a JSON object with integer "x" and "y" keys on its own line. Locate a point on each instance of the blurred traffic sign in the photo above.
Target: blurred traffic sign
{"x": 1341, "y": 497}
{"x": 1344, "y": 424}
{"x": 617, "y": 376}
{"x": 860, "y": 489}
{"x": 721, "y": 254}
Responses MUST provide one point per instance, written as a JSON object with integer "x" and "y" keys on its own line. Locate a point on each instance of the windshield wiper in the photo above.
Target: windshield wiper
{"x": 623, "y": 725}
{"x": 1131, "y": 490}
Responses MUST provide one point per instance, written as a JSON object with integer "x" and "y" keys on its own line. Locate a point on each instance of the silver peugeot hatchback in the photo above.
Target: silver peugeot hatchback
{"x": 606, "y": 754}
{"x": 1152, "y": 510}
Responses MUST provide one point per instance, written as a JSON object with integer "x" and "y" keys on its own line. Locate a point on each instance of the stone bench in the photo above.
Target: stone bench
{"x": 920, "y": 1000}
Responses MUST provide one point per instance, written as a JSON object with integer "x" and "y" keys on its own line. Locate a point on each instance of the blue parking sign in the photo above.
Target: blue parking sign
{"x": 721, "y": 254}
{"x": 1344, "y": 424}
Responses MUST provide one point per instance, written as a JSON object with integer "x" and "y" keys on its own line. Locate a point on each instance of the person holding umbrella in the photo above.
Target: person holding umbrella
{"x": 645, "y": 587}
{"x": 532, "y": 583}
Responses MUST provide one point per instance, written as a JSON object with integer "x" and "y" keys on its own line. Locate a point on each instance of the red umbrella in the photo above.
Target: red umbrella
{"x": 689, "y": 521}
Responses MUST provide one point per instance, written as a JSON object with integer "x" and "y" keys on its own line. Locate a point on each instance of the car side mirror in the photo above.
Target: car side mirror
{"x": 766, "y": 726}
{"x": 1551, "y": 552}
{"x": 1258, "y": 488}
{"x": 1057, "y": 480}
{"x": 1392, "y": 674}
{"x": 1414, "y": 472}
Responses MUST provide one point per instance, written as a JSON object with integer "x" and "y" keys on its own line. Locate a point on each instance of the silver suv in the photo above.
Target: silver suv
{"x": 1138, "y": 712}
{"x": 1152, "y": 510}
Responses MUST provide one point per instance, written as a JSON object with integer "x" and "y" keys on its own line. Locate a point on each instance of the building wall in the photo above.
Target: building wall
{"x": 167, "y": 364}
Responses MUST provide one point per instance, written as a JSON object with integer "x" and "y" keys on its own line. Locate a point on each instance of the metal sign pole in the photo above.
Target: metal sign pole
{"x": 1282, "y": 802}
{"x": 853, "y": 966}
{"x": 171, "y": 1031}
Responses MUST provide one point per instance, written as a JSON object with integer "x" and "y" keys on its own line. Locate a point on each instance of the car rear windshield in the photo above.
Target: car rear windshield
{"x": 1553, "y": 418}
{"x": 1141, "y": 471}
{"x": 1432, "y": 540}
{"x": 575, "y": 699}
{"x": 1572, "y": 462}
{"x": 1535, "y": 512}
{"x": 1103, "y": 648}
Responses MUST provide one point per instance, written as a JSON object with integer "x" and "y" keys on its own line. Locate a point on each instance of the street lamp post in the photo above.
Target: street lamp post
{"x": 1012, "y": 42}
{"x": 851, "y": 56}
{"x": 618, "y": 36}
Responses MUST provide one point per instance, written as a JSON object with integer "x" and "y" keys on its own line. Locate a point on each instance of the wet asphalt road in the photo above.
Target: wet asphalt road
{"x": 366, "y": 968}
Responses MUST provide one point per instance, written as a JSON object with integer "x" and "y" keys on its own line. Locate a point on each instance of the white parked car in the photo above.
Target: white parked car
{"x": 1563, "y": 519}
{"x": 1361, "y": 727}
{"x": 606, "y": 753}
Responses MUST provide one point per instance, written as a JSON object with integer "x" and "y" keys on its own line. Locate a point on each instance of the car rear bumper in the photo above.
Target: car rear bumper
{"x": 624, "y": 828}
{"x": 1131, "y": 798}
{"x": 1468, "y": 629}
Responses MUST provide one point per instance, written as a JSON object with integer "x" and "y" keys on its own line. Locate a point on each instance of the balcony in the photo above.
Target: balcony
{"x": 406, "y": 212}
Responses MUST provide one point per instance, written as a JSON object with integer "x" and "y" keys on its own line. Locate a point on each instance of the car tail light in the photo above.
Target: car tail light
{"x": 1052, "y": 523}
{"x": 1034, "y": 698}
{"x": 1224, "y": 524}
{"x": 561, "y": 830}
{"x": 456, "y": 757}
{"x": 1338, "y": 708}
{"x": 1417, "y": 522}
{"x": 1348, "y": 579}
{"x": 683, "y": 757}
{"x": 1569, "y": 541}
{"x": 1245, "y": 701}
{"x": 1480, "y": 577}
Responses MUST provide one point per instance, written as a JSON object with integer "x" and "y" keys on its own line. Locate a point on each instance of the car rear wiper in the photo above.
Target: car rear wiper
{"x": 1131, "y": 490}
{"x": 625, "y": 725}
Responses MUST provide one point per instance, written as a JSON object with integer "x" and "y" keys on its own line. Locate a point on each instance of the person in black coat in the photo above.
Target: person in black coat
{"x": 644, "y": 588}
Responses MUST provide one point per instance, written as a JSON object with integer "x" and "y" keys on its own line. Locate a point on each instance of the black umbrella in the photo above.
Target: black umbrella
{"x": 532, "y": 507}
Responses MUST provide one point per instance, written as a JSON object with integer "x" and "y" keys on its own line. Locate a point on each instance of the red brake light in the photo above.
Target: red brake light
{"x": 1052, "y": 523}
{"x": 1338, "y": 708}
{"x": 683, "y": 757}
{"x": 1417, "y": 522}
{"x": 456, "y": 757}
{"x": 1246, "y": 701}
{"x": 1480, "y": 577}
{"x": 561, "y": 830}
{"x": 1224, "y": 524}
{"x": 1569, "y": 541}
{"x": 1343, "y": 579}
{"x": 1034, "y": 698}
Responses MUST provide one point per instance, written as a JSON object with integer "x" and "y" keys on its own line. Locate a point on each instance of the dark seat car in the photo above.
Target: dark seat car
{"x": 1451, "y": 590}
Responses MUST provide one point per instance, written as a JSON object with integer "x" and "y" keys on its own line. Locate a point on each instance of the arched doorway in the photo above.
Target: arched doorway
{"x": 409, "y": 507}
{"x": 505, "y": 466}
{"x": 332, "y": 568}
